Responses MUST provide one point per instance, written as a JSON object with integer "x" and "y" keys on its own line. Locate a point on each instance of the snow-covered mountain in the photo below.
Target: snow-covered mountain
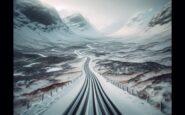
{"x": 163, "y": 17}
{"x": 35, "y": 11}
{"x": 142, "y": 26}
{"x": 37, "y": 25}
{"x": 80, "y": 25}
{"x": 49, "y": 47}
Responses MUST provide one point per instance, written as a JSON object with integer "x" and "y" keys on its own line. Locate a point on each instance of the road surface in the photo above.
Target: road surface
{"x": 92, "y": 99}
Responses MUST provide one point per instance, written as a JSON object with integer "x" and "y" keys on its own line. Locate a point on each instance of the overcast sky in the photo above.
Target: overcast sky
{"x": 102, "y": 14}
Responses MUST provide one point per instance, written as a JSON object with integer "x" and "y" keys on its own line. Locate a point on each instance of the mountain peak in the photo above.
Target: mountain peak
{"x": 80, "y": 25}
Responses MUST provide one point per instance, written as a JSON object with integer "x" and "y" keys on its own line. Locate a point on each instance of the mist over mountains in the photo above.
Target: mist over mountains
{"x": 48, "y": 44}
{"x": 143, "y": 25}
{"x": 37, "y": 25}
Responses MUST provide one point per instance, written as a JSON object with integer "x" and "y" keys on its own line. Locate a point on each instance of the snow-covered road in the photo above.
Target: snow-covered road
{"x": 91, "y": 100}
{"x": 93, "y": 95}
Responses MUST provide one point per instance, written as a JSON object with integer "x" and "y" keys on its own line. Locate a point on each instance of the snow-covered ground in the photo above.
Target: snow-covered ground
{"x": 61, "y": 98}
{"x": 58, "y": 102}
{"x": 66, "y": 99}
{"x": 29, "y": 93}
{"x": 153, "y": 85}
{"x": 128, "y": 104}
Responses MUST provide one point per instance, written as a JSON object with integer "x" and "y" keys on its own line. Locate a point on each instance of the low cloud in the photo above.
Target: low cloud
{"x": 138, "y": 28}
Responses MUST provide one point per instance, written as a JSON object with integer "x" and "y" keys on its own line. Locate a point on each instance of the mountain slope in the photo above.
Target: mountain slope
{"x": 80, "y": 25}
{"x": 140, "y": 27}
{"x": 39, "y": 26}
{"x": 163, "y": 17}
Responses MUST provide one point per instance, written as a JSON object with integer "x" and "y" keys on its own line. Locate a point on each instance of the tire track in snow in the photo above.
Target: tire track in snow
{"x": 91, "y": 99}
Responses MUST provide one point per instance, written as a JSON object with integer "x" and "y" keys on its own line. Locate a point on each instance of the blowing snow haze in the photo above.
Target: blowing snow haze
{"x": 92, "y": 57}
{"x": 108, "y": 15}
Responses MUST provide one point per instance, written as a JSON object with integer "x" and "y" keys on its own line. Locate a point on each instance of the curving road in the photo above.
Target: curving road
{"x": 91, "y": 99}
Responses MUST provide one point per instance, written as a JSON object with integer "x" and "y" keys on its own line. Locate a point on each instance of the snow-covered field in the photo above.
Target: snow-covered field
{"x": 127, "y": 103}
{"x": 34, "y": 96}
{"x": 155, "y": 86}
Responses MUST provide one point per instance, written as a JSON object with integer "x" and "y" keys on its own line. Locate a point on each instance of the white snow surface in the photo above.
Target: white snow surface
{"x": 66, "y": 97}
{"x": 126, "y": 103}
{"x": 58, "y": 102}
{"x": 30, "y": 65}
{"x": 54, "y": 69}
{"x": 55, "y": 104}
{"x": 19, "y": 74}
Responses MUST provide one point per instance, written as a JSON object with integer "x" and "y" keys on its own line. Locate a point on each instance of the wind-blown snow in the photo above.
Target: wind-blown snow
{"x": 140, "y": 27}
{"x": 53, "y": 69}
